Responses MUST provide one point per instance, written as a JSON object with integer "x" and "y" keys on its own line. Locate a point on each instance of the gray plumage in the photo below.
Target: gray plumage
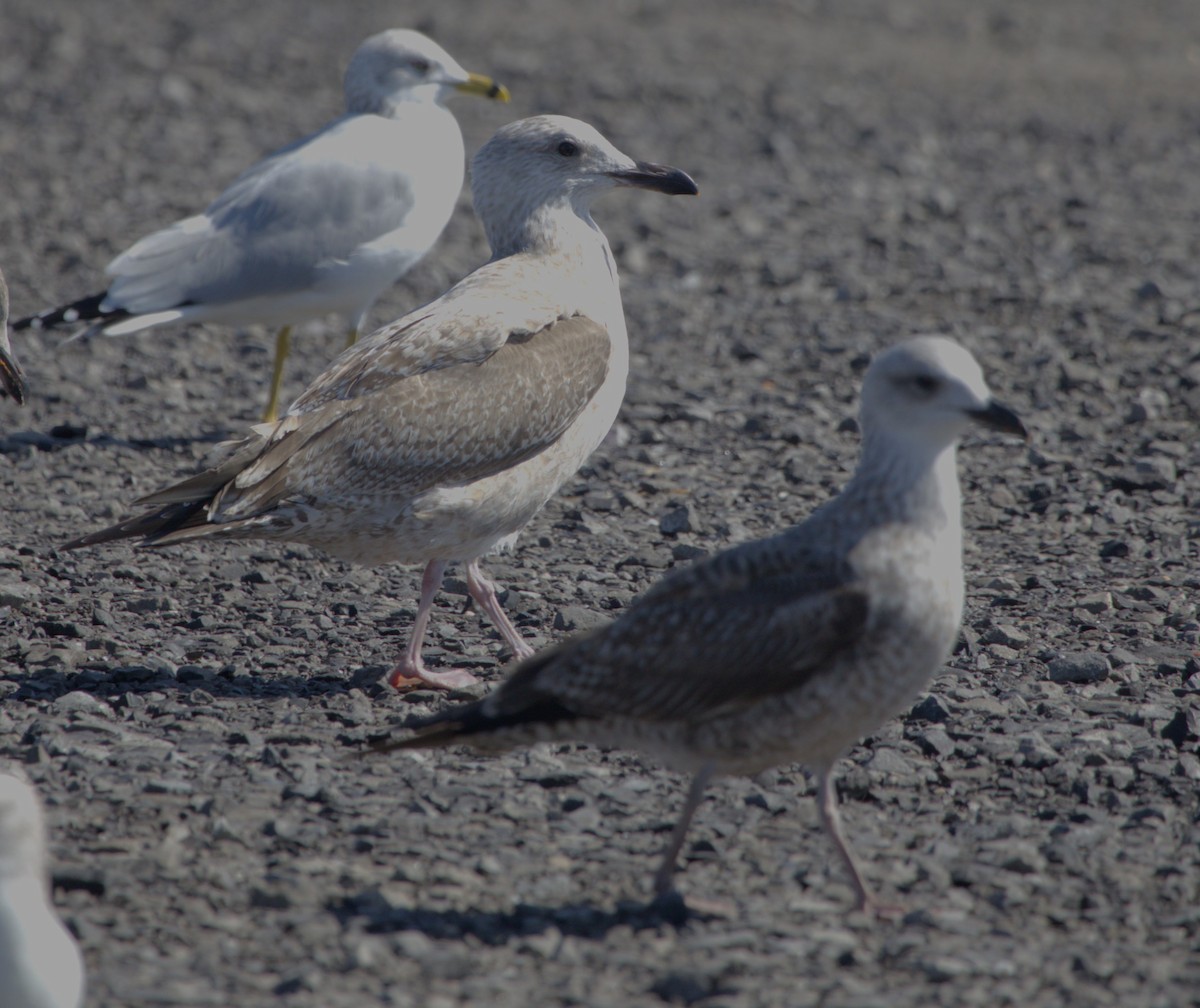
{"x": 320, "y": 227}
{"x": 12, "y": 379}
{"x": 437, "y": 438}
{"x": 787, "y": 649}
{"x": 40, "y": 964}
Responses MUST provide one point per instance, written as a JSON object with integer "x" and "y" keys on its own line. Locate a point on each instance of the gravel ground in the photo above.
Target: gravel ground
{"x": 1019, "y": 175}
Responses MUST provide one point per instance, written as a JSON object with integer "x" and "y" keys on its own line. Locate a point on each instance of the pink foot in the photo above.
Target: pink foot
{"x": 406, "y": 677}
{"x": 522, "y": 652}
{"x": 879, "y": 910}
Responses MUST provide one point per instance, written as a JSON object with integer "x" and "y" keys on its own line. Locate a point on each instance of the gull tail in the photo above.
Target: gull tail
{"x": 180, "y": 511}
{"x": 155, "y": 528}
{"x": 86, "y": 309}
{"x": 517, "y": 712}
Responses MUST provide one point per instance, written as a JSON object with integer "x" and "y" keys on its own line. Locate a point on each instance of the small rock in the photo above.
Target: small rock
{"x": 1079, "y": 668}
{"x": 78, "y": 702}
{"x": 18, "y": 594}
{"x": 1114, "y": 548}
{"x": 887, "y": 761}
{"x": 572, "y": 618}
{"x": 675, "y": 521}
{"x": 930, "y": 708}
{"x": 1023, "y": 857}
{"x": 1005, "y": 634}
{"x": 1096, "y": 603}
{"x": 166, "y": 785}
{"x": 1157, "y": 471}
{"x": 935, "y": 742}
{"x": 1037, "y": 752}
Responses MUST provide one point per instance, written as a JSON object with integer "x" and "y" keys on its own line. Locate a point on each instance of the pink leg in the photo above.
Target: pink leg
{"x": 411, "y": 666}
{"x": 695, "y": 795}
{"x": 828, "y": 806}
{"x": 484, "y": 593}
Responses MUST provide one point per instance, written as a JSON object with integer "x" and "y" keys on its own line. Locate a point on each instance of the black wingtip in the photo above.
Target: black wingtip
{"x": 84, "y": 310}
{"x": 151, "y": 528}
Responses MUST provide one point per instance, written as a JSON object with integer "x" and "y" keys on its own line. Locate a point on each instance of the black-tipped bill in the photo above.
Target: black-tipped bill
{"x": 661, "y": 178}
{"x": 999, "y": 417}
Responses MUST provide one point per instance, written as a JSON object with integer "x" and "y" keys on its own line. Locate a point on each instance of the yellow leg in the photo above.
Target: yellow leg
{"x": 351, "y": 338}
{"x": 283, "y": 342}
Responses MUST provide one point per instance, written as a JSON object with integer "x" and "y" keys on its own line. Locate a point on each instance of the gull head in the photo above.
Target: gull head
{"x": 21, "y": 832}
{"x": 549, "y": 163}
{"x": 930, "y": 390}
{"x": 401, "y": 65}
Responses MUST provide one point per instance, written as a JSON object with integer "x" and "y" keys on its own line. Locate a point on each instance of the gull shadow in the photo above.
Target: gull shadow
{"x": 68, "y": 435}
{"x": 48, "y": 683}
{"x": 498, "y": 927}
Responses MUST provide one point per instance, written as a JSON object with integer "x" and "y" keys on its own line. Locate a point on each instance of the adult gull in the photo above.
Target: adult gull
{"x": 437, "y": 438}
{"x": 323, "y": 226}
{"x": 786, "y": 649}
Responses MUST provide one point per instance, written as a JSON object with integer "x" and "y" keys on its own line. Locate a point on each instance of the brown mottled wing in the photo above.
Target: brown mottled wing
{"x": 751, "y": 623}
{"x": 466, "y": 325}
{"x": 449, "y": 425}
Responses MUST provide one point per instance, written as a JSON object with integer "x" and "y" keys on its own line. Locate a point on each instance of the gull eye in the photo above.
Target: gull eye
{"x": 925, "y": 384}
{"x": 421, "y": 65}
{"x": 568, "y": 148}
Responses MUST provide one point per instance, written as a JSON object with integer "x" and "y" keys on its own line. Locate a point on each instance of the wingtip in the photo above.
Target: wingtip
{"x": 418, "y": 737}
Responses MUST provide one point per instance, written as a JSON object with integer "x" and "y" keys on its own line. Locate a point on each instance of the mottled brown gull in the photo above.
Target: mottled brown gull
{"x": 323, "y": 226}
{"x": 12, "y": 380}
{"x": 40, "y": 965}
{"x": 787, "y": 649}
{"x": 437, "y": 438}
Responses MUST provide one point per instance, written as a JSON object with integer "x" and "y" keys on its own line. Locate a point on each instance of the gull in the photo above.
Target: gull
{"x": 12, "y": 380}
{"x": 323, "y": 226}
{"x": 40, "y": 964}
{"x": 786, "y": 649}
{"x": 438, "y": 437}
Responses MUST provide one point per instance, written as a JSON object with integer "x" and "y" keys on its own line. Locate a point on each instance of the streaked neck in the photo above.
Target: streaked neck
{"x": 908, "y": 481}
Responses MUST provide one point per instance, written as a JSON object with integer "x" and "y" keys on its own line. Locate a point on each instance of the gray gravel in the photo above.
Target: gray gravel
{"x": 1021, "y": 177}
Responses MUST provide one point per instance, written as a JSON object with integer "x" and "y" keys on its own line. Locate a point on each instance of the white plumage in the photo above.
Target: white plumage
{"x": 322, "y": 226}
{"x": 437, "y": 438}
{"x": 787, "y": 649}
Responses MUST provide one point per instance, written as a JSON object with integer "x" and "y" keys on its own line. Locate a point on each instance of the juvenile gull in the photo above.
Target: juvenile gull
{"x": 787, "y": 649}
{"x": 12, "y": 380}
{"x": 322, "y": 226}
{"x": 437, "y": 438}
{"x": 40, "y": 965}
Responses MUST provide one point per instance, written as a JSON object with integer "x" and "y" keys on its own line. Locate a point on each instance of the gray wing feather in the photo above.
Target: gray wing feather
{"x": 447, "y": 425}
{"x": 501, "y": 301}
{"x": 751, "y": 623}
{"x": 270, "y": 231}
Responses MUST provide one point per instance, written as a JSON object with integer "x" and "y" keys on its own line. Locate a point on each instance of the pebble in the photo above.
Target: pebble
{"x": 79, "y": 702}
{"x": 1005, "y": 634}
{"x": 1036, "y": 751}
{"x": 1086, "y": 667}
{"x": 18, "y": 594}
{"x": 675, "y": 521}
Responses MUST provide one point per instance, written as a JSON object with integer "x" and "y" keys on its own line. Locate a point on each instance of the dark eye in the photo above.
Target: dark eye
{"x": 925, "y": 384}
{"x": 568, "y": 149}
{"x": 422, "y": 66}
